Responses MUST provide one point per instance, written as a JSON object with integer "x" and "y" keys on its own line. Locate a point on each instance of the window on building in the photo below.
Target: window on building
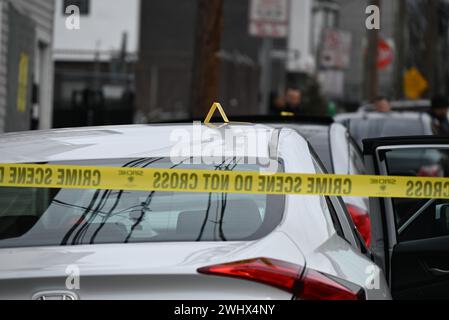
{"x": 83, "y": 6}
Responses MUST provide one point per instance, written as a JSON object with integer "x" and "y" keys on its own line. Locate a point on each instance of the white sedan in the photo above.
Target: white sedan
{"x": 119, "y": 244}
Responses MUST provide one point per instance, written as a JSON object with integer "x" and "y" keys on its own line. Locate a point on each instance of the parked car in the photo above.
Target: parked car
{"x": 336, "y": 150}
{"x": 341, "y": 155}
{"x": 393, "y": 124}
{"x": 176, "y": 245}
{"x": 401, "y": 106}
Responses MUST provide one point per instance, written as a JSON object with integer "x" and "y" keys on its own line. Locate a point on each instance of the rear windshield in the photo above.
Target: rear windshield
{"x": 362, "y": 129}
{"x": 52, "y": 217}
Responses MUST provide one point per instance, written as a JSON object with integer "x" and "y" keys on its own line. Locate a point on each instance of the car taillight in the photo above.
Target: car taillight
{"x": 362, "y": 221}
{"x": 316, "y": 286}
{"x": 303, "y": 284}
{"x": 434, "y": 170}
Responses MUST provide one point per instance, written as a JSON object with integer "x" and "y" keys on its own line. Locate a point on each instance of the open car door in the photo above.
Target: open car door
{"x": 410, "y": 237}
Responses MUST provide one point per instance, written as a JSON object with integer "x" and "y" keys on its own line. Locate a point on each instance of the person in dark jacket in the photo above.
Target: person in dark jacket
{"x": 293, "y": 99}
{"x": 439, "y": 113}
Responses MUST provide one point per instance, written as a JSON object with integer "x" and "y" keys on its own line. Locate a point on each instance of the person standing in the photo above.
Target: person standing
{"x": 439, "y": 113}
{"x": 277, "y": 103}
{"x": 382, "y": 104}
{"x": 293, "y": 98}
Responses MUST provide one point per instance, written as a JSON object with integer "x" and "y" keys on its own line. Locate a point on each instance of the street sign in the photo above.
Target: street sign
{"x": 414, "y": 83}
{"x": 332, "y": 83}
{"x": 385, "y": 54}
{"x": 269, "y": 18}
{"x": 336, "y": 49}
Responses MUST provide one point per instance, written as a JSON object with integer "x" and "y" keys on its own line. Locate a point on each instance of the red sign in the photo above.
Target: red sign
{"x": 384, "y": 54}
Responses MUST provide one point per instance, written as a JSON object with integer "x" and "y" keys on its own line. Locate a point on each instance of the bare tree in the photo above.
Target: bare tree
{"x": 206, "y": 63}
{"x": 401, "y": 19}
{"x": 431, "y": 40}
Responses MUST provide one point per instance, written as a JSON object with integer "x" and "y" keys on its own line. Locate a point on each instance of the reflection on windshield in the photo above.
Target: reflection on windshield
{"x": 40, "y": 217}
{"x": 385, "y": 127}
{"x": 417, "y": 218}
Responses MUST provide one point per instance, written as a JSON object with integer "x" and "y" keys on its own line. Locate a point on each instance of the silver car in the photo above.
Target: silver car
{"x": 368, "y": 125}
{"x": 336, "y": 149}
{"x": 118, "y": 244}
{"x": 340, "y": 155}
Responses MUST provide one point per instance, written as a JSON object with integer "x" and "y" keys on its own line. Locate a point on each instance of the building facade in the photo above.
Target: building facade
{"x": 352, "y": 19}
{"x": 166, "y": 49}
{"x": 94, "y": 62}
{"x": 26, "y": 67}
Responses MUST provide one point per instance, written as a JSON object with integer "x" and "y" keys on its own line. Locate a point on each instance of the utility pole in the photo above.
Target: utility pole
{"x": 371, "y": 72}
{"x": 400, "y": 48}
{"x": 445, "y": 48}
{"x": 266, "y": 74}
{"x": 431, "y": 56}
{"x": 206, "y": 64}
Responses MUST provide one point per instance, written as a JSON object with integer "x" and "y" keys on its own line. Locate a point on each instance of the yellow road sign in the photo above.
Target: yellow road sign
{"x": 414, "y": 83}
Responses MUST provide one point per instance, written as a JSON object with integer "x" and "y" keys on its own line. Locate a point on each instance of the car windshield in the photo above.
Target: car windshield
{"x": 51, "y": 217}
{"x": 319, "y": 139}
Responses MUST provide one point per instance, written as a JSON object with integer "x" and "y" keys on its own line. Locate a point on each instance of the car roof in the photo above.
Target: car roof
{"x": 306, "y": 128}
{"x": 370, "y": 125}
{"x": 402, "y": 105}
{"x": 379, "y": 115}
{"x": 269, "y": 119}
{"x": 108, "y": 142}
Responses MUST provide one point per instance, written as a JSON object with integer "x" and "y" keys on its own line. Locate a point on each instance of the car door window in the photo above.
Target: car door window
{"x": 418, "y": 219}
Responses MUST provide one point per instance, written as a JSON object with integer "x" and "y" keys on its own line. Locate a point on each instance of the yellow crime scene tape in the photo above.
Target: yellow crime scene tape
{"x": 185, "y": 180}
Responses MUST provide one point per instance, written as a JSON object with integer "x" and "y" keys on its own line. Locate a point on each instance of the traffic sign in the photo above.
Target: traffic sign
{"x": 384, "y": 54}
{"x": 269, "y": 18}
{"x": 336, "y": 49}
{"x": 414, "y": 83}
